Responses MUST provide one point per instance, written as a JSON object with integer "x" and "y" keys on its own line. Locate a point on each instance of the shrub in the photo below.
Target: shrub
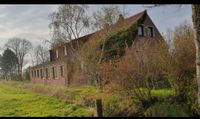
{"x": 115, "y": 105}
{"x": 181, "y": 63}
{"x": 191, "y": 94}
{"x": 166, "y": 109}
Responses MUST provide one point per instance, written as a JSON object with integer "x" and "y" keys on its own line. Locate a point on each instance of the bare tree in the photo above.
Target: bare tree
{"x": 180, "y": 64}
{"x": 196, "y": 22}
{"x": 40, "y": 55}
{"x": 20, "y": 47}
{"x": 108, "y": 15}
{"x": 68, "y": 23}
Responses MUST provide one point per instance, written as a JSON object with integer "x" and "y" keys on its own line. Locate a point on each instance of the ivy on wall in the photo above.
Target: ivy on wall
{"x": 114, "y": 40}
{"x": 115, "y": 44}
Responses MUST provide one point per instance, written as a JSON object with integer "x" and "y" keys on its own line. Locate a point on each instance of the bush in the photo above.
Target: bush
{"x": 191, "y": 94}
{"x": 115, "y": 105}
{"x": 163, "y": 83}
{"x": 166, "y": 109}
{"x": 181, "y": 63}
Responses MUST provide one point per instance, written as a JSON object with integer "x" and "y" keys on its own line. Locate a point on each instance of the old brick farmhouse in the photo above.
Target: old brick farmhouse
{"x": 57, "y": 71}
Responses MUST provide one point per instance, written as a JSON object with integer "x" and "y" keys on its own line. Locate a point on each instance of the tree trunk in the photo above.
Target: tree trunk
{"x": 18, "y": 70}
{"x": 196, "y": 24}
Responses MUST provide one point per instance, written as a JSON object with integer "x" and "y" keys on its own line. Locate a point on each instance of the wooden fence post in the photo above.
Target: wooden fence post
{"x": 99, "y": 107}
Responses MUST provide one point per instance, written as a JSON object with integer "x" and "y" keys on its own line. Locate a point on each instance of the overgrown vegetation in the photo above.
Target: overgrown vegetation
{"x": 104, "y": 45}
{"x": 167, "y": 109}
{"x": 115, "y": 44}
{"x": 133, "y": 78}
{"x": 144, "y": 73}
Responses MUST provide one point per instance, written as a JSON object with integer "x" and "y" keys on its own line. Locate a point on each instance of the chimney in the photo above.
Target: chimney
{"x": 121, "y": 18}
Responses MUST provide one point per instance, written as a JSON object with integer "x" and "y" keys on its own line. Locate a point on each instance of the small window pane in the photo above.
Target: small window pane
{"x": 35, "y": 73}
{"x": 32, "y": 73}
{"x": 56, "y": 53}
{"x": 54, "y": 70}
{"x": 41, "y": 74}
{"x": 65, "y": 50}
{"x": 150, "y": 31}
{"x": 141, "y": 30}
{"x": 47, "y": 73}
{"x": 62, "y": 70}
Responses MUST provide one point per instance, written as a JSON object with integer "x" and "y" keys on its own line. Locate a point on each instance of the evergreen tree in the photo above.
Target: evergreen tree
{"x": 8, "y": 64}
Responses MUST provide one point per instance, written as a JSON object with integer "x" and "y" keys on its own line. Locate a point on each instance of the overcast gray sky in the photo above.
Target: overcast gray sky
{"x": 31, "y": 21}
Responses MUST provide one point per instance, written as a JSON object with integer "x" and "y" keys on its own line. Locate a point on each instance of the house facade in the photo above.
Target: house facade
{"x": 57, "y": 71}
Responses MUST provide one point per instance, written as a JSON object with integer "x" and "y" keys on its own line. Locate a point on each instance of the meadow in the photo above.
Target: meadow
{"x": 16, "y": 102}
{"x": 24, "y": 99}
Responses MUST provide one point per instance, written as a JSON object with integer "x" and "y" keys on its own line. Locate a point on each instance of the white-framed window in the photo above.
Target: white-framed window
{"x": 32, "y": 73}
{"x": 38, "y": 74}
{"x": 65, "y": 50}
{"x": 141, "y": 30}
{"x": 41, "y": 74}
{"x": 47, "y": 73}
{"x": 56, "y": 53}
{"x": 35, "y": 75}
{"x": 62, "y": 70}
{"x": 54, "y": 72}
{"x": 150, "y": 31}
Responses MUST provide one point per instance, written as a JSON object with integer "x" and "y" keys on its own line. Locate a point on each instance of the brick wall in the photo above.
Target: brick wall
{"x": 59, "y": 80}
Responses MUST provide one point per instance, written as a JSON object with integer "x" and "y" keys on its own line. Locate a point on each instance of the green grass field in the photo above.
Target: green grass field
{"x": 24, "y": 99}
{"x": 24, "y": 103}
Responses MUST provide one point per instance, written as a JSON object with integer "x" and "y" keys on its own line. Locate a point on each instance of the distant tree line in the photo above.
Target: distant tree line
{"x": 13, "y": 59}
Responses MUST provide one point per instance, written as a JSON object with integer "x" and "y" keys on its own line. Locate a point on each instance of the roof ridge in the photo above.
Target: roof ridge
{"x": 144, "y": 11}
{"x": 131, "y": 18}
{"x": 125, "y": 20}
